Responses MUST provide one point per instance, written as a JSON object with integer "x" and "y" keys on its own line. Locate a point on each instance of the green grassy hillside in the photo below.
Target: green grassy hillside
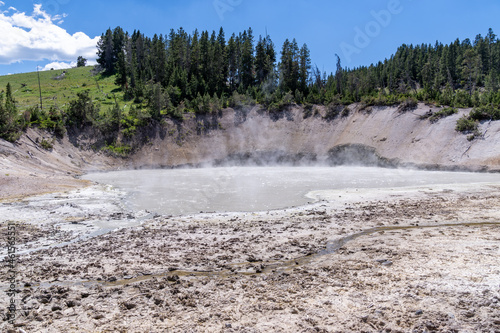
{"x": 58, "y": 92}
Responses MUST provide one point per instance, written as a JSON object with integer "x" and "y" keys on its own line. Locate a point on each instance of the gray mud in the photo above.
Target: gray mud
{"x": 393, "y": 259}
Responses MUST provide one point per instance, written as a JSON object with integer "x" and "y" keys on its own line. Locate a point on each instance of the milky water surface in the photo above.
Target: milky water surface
{"x": 247, "y": 189}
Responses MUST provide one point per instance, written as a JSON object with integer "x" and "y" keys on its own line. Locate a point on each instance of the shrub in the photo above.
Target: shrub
{"x": 442, "y": 114}
{"x": 177, "y": 112}
{"x": 281, "y": 103}
{"x": 82, "y": 111}
{"x": 308, "y": 110}
{"x": 47, "y": 145}
{"x": 466, "y": 125}
{"x": 118, "y": 151}
{"x": 485, "y": 112}
{"x": 52, "y": 120}
{"x": 408, "y": 104}
{"x": 345, "y": 112}
{"x": 332, "y": 111}
{"x": 462, "y": 99}
{"x": 287, "y": 99}
{"x": 299, "y": 96}
{"x": 239, "y": 100}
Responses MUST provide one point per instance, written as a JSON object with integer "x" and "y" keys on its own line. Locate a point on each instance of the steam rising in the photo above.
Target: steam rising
{"x": 227, "y": 189}
{"x": 254, "y": 159}
{"x": 253, "y": 136}
{"x": 294, "y": 136}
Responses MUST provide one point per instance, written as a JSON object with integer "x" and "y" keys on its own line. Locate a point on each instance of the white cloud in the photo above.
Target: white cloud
{"x": 64, "y": 65}
{"x": 38, "y": 38}
{"x": 58, "y": 65}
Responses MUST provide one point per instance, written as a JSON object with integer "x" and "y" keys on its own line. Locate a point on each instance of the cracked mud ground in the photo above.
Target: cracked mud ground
{"x": 431, "y": 266}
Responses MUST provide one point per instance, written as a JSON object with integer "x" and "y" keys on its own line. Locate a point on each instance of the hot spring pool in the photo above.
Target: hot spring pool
{"x": 247, "y": 189}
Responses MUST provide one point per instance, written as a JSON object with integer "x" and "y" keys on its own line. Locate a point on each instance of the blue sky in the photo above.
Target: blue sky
{"x": 53, "y": 33}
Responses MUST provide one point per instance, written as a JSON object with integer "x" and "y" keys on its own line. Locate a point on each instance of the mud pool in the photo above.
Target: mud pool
{"x": 394, "y": 250}
{"x": 250, "y": 189}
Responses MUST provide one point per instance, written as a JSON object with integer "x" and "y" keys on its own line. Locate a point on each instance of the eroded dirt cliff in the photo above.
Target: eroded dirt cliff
{"x": 390, "y": 135}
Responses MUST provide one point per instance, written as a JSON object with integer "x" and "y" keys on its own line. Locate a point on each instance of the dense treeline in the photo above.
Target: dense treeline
{"x": 464, "y": 73}
{"x": 205, "y": 72}
{"x": 192, "y": 68}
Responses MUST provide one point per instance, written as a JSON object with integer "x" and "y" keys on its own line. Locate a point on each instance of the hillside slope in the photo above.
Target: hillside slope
{"x": 59, "y": 87}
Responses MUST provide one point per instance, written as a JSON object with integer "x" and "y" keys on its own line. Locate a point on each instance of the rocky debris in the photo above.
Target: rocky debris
{"x": 216, "y": 272}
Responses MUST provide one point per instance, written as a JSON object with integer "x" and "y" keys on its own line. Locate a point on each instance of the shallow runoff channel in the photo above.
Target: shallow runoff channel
{"x": 251, "y": 189}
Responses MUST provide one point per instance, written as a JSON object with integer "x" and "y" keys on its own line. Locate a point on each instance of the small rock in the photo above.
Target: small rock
{"x": 56, "y": 308}
{"x": 70, "y": 304}
{"x": 469, "y": 314}
{"x": 431, "y": 326}
{"x": 45, "y": 299}
{"x": 98, "y": 316}
{"x": 173, "y": 278}
{"x": 129, "y": 306}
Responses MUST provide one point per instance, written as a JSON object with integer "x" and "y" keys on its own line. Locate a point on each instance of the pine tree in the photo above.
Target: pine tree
{"x": 194, "y": 66}
{"x": 121, "y": 71}
{"x": 10, "y": 103}
{"x": 304, "y": 69}
{"x": 105, "y": 51}
{"x": 119, "y": 40}
{"x": 82, "y": 111}
{"x": 289, "y": 66}
{"x": 156, "y": 101}
{"x": 260, "y": 60}
{"x": 247, "y": 59}
{"x": 205, "y": 61}
{"x": 471, "y": 67}
{"x": 4, "y": 118}
{"x": 265, "y": 58}
{"x": 233, "y": 59}
{"x": 220, "y": 63}
{"x": 81, "y": 61}
{"x": 338, "y": 75}
{"x": 158, "y": 60}
{"x": 138, "y": 49}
